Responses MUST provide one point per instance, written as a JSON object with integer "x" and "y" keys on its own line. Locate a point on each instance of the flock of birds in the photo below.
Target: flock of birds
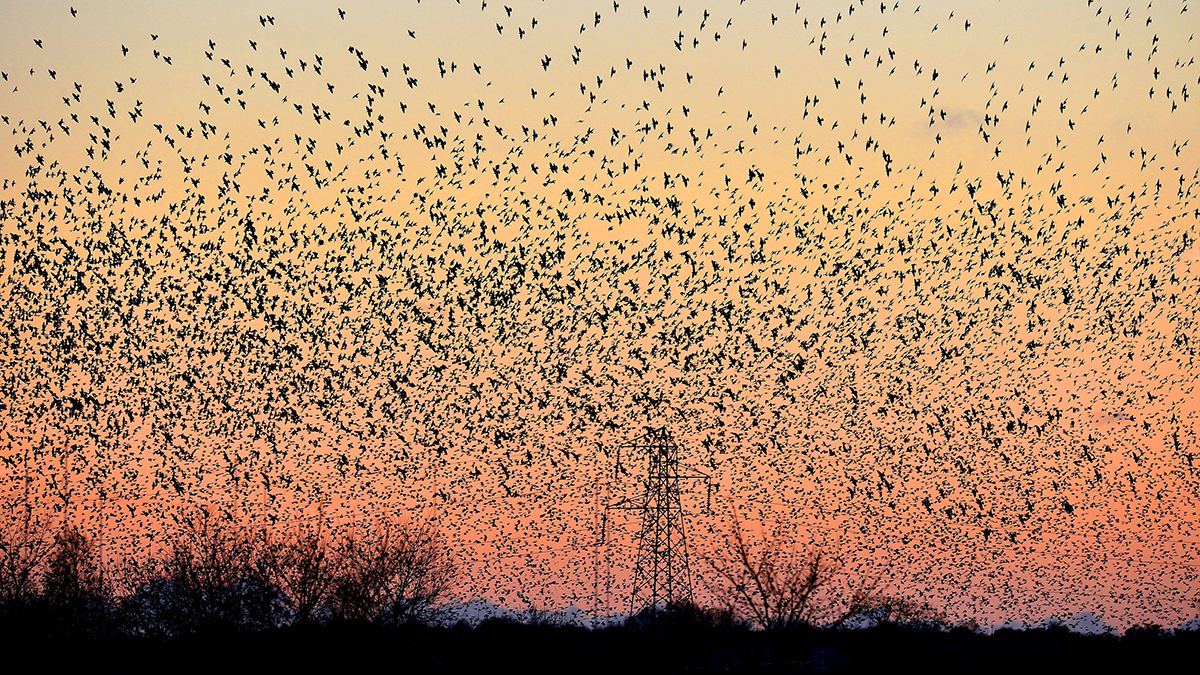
{"x": 923, "y": 298}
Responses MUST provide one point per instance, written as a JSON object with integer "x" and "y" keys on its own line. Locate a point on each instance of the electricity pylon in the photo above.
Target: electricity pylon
{"x": 661, "y": 574}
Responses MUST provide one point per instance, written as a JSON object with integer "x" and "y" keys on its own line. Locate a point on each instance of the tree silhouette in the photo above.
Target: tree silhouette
{"x": 304, "y": 568}
{"x": 24, "y": 548}
{"x": 771, "y": 585}
{"x": 392, "y": 575}
{"x": 75, "y": 590}
{"x": 212, "y": 577}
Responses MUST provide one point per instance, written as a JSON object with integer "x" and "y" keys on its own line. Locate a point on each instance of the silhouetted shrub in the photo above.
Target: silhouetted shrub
{"x": 869, "y": 610}
{"x": 1146, "y": 631}
{"x": 684, "y": 616}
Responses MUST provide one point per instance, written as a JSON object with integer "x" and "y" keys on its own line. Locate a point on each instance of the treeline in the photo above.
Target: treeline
{"x": 215, "y": 576}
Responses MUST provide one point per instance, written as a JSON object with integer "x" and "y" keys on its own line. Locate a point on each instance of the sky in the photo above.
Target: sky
{"x": 913, "y": 283}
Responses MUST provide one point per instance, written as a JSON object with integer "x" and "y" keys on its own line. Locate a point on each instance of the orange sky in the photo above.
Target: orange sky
{"x": 985, "y": 301}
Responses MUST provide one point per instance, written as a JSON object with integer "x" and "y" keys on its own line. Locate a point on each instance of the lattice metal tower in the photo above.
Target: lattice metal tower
{"x": 661, "y": 573}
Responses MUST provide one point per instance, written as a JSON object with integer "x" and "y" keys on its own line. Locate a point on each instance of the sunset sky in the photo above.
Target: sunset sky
{"x": 914, "y": 283}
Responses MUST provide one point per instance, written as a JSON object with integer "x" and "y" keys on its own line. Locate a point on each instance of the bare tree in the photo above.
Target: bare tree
{"x": 25, "y": 545}
{"x": 72, "y": 570}
{"x": 74, "y": 587}
{"x": 303, "y": 568}
{"x": 212, "y": 576}
{"x": 771, "y": 585}
{"x": 774, "y": 585}
{"x": 396, "y": 574}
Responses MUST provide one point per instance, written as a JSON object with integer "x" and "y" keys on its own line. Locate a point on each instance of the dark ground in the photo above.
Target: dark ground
{"x": 498, "y": 646}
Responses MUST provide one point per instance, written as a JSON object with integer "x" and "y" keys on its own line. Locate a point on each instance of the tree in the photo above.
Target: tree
{"x": 772, "y": 585}
{"x": 24, "y": 548}
{"x": 393, "y": 575}
{"x": 304, "y": 569}
{"x": 74, "y": 588}
{"x": 213, "y": 576}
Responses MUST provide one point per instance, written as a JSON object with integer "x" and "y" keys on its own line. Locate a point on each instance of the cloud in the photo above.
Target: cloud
{"x": 1115, "y": 417}
{"x": 960, "y": 118}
